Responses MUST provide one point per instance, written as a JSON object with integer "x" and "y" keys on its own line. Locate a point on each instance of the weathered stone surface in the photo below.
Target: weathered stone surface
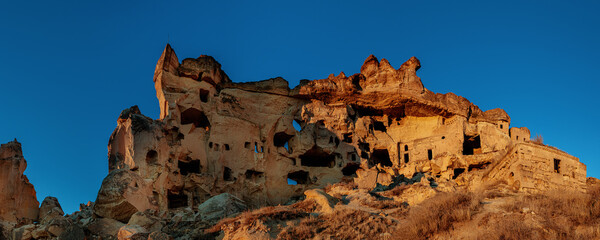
{"x": 50, "y": 209}
{"x": 17, "y": 195}
{"x": 324, "y": 200}
{"x": 132, "y": 232}
{"x": 105, "y": 227}
{"x": 122, "y": 194}
{"x": 220, "y": 206}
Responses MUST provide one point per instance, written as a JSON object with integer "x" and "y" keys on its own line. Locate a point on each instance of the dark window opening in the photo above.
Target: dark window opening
{"x": 458, "y": 171}
{"x": 517, "y": 138}
{"x": 300, "y": 177}
{"x": 316, "y": 157}
{"x": 253, "y": 175}
{"x": 471, "y": 145}
{"x": 177, "y": 200}
{"x": 406, "y": 158}
{"x": 381, "y": 156}
{"x": 556, "y": 165}
{"x": 501, "y": 126}
{"x": 196, "y": 117}
{"x": 186, "y": 168}
{"x": 405, "y": 147}
{"x": 227, "y": 174}
{"x": 204, "y": 95}
{"x": 364, "y": 154}
{"x": 352, "y": 156}
{"x": 443, "y": 121}
{"x": 348, "y": 137}
{"x": 281, "y": 138}
{"x": 443, "y": 137}
{"x": 151, "y": 157}
{"x": 429, "y": 154}
{"x": 226, "y": 147}
{"x": 350, "y": 169}
{"x": 330, "y": 139}
{"x": 210, "y": 144}
{"x": 247, "y": 145}
{"x": 379, "y": 126}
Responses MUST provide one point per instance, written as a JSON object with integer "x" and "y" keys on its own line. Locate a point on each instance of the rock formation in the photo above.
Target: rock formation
{"x": 219, "y": 147}
{"x": 217, "y": 136}
{"x": 17, "y": 196}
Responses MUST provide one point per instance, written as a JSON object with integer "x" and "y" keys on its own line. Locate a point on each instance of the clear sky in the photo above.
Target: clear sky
{"x": 68, "y": 68}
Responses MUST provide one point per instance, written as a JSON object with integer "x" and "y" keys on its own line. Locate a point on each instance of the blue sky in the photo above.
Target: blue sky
{"x": 69, "y": 67}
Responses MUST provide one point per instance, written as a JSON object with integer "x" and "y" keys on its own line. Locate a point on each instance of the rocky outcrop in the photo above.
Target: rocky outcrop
{"x": 17, "y": 195}
{"x": 266, "y": 143}
{"x": 220, "y": 147}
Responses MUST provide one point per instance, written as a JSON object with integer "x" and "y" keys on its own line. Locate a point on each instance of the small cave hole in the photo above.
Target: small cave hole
{"x": 316, "y": 157}
{"x": 186, "y": 168}
{"x": 196, "y": 117}
{"x": 348, "y": 137}
{"x": 204, "y": 95}
{"x": 557, "y": 165}
{"x": 226, "y": 147}
{"x": 151, "y": 157}
{"x": 296, "y": 125}
{"x": 253, "y": 175}
{"x": 471, "y": 145}
{"x": 364, "y": 146}
{"x": 457, "y": 172}
{"x": 429, "y": 154}
{"x": 350, "y": 169}
{"x": 298, "y": 177}
{"x": 247, "y": 145}
{"x": 177, "y": 200}
{"x": 281, "y": 139}
{"x": 227, "y": 174}
{"x": 379, "y": 126}
{"x": 381, "y": 156}
{"x": 406, "y": 158}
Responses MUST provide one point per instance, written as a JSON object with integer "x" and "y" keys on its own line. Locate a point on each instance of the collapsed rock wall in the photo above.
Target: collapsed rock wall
{"x": 17, "y": 195}
{"x": 216, "y": 136}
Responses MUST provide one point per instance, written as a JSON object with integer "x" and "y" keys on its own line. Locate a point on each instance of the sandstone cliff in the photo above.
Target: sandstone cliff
{"x": 17, "y": 195}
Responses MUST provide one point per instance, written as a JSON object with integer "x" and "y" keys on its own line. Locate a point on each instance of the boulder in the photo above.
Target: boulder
{"x": 220, "y": 206}
{"x": 122, "y": 194}
{"x": 324, "y": 200}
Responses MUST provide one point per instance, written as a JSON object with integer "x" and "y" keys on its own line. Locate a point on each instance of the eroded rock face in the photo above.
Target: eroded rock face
{"x": 266, "y": 143}
{"x": 17, "y": 195}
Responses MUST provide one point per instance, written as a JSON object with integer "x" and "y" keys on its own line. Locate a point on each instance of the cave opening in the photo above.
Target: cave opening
{"x": 557, "y": 165}
{"x": 381, "y": 156}
{"x": 347, "y": 137}
{"x": 457, "y": 172}
{"x": 299, "y": 177}
{"x": 350, "y": 169}
{"x": 429, "y": 154}
{"x": 316, "y": 157}
{"x": 185, "y": 167}
{"x": 281, "y": 139}
{"x": 204, "y": 95}
{"x": 406, "y": 158}
{"x": 379, "y": 126}
{"x": 177, "y": 200}
{"x": 196, "y": 117}
{"x": 151, "y": 157}
{"x": 227, "y": 174}
{"x": 471, "y": 145}
{"x": 253, "y": 175}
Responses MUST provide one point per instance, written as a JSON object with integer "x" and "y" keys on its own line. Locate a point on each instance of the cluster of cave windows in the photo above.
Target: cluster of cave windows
{"x": 216, "y": 146}
{"x": 403, "y": 156}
